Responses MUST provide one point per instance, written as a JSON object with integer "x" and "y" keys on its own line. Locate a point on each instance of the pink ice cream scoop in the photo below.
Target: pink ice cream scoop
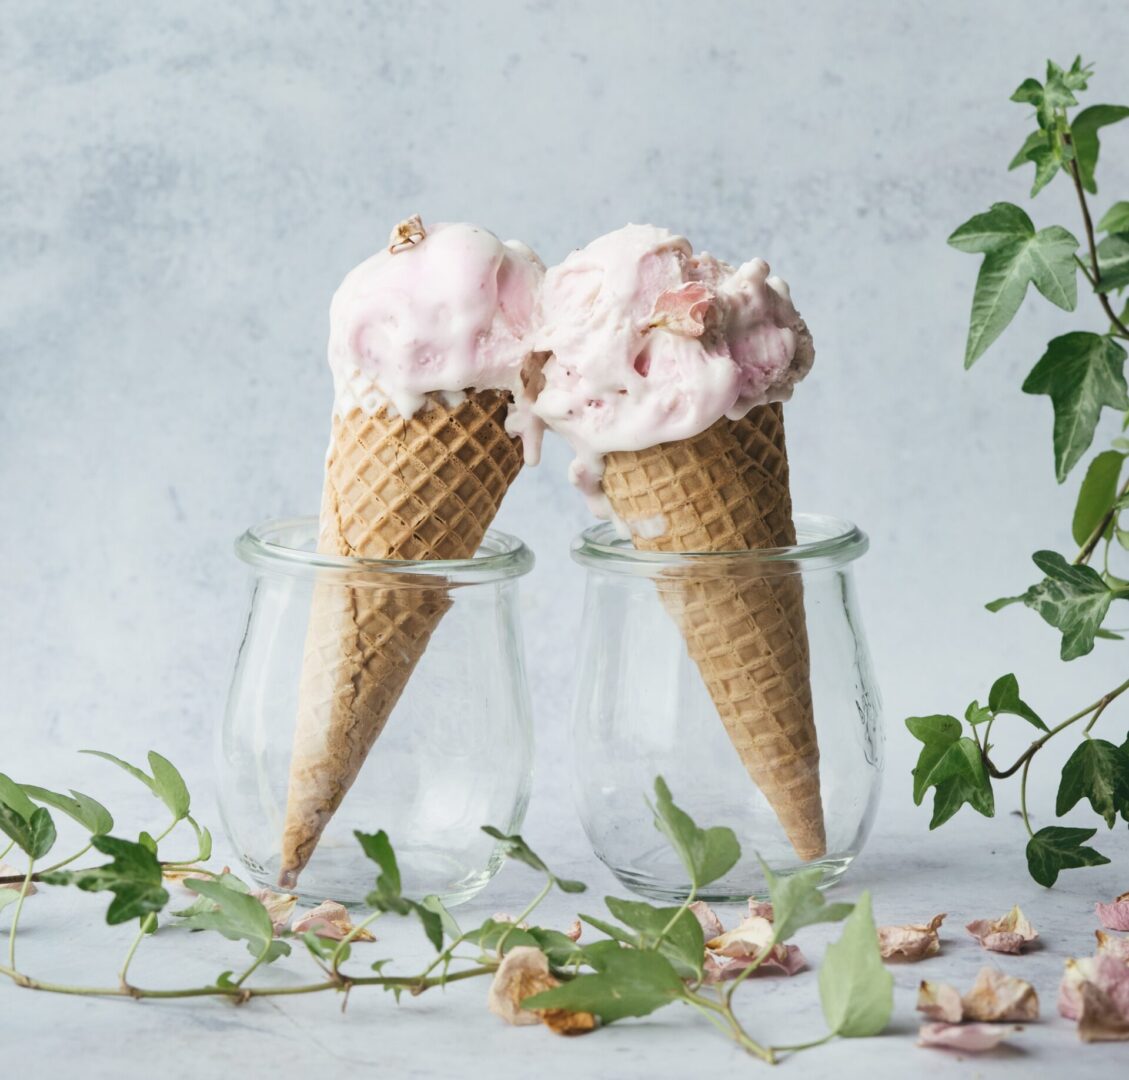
{"x": 652, "y": 344}
{"x": 442, "y": 311}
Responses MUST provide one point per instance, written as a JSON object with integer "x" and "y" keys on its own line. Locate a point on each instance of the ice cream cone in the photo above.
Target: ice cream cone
{"x": 426, "y": 487}
{"x": 726, "y": 489}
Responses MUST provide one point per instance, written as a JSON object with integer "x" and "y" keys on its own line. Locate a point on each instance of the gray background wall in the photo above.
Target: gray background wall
{"x": 183, "y": 186}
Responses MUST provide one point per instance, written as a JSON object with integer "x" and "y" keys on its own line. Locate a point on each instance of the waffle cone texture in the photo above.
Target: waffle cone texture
{"x": 727, "y": 490}
{"x": 427, "y": 487}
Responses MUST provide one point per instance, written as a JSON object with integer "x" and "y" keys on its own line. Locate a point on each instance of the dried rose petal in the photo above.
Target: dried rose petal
{"x": 916, "y": 941}
{"x": 1113, "y": 946}
{"x": 711, "y": 925}
{"x": 328, "y": 920}
{"x": 1107, "y": 973}
{"x": 1008, "y": 934}
{"x": 7, "y": 870}
{"x": 179, "y": 877}
{"x": 683, "y": 310}
{"x": 573, "y": 932}
{"x": 1101, "y": 1017}
{"x": 995, "y": 996}
{"x": 972, "y": 1038}
{"x": 522, "y": 973}
{"x": 940, "y": 1001}
{"x": 730, "y": 953}
{"x": 280, "y": 906}
{"x": 502, "y": 917}
{"x": 761, "y": 908}
{"x": 1114, "y": 916}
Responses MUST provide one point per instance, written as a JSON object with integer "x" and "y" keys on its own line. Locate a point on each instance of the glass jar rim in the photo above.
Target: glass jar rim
{"x": 277, "y": 545}
{"x": 823, "y": 542}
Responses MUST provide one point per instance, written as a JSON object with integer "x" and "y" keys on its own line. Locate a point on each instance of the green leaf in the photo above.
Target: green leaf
{"x": 238, "y": 916}
{"x": 1015, "y": 256}
{"x": 166, "y": 783}
{"x": 707, "y": 854}
{"x": 450, "y": 927}
{"x": 87, "y": 811}
{"x": 856, "y": 991}
{"x": 559, "y": 948}
{"x": 516, "y": 848}
{"x": 133, "y": 876}
{"x": 1116, "y": 218}
{"x": 1029, "y": 92}
{"x": 491, "y": 933}
{"x": 169, "y": 786}
{"x": 386, "y": 895}
{"x": 1035, "y": 141}
{"x": 1081, "y": 372}
{"x": 1074, "y": 599}
{"x": 35, "y": 835}
{"x": 14, "y": 797}
{"x": 1004, "y": 699}
{"x": 1113, "y": 262}
{"x": 977, "y": 714}
{"x": 616, "y": 933}
{"x": 1056, "y": 848}
{"x": 1097, "y": 494}
{"x": 797, "y": 902}
{"x": 628, "y": 982}
{"x": 1097, "y": 771}
{"x": 683, "y": 944}
{"x": 960, "y": 777}
{"x": 1003, "y": 602}
{"x": 8, "y": 896}
{"x": 1084, "y": 131}
{"x": 938, "y": 733}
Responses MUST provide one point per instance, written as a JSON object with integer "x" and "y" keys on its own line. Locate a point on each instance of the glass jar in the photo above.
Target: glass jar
{"x": 456, "y": 751}
{"x": 642, "y": 708}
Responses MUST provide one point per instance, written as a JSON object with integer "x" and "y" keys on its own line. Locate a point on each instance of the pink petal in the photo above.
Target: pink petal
{"x": 1101, "y": 1018}
{"x": 971, "y": 1038}
{"x": 573, "y": 932}
{"x": 1009, "y": 933}
{"x": 914, "y": 942}
{"x": 11, "y": 871}
{"x": 996, "y": 997}
{"x": 761, "y": 909}
{"x": 1114, "y": 916}
{"x": 1106, "y": 973}
{"x": 1113, "y": 946}
{"x": 328, "y": 920}
{"x": 940, "y": 1001}
{"x": 707, "y": 919}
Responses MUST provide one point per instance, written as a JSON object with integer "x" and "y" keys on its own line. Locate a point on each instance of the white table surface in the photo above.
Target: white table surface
{"x": 970, "y": 869}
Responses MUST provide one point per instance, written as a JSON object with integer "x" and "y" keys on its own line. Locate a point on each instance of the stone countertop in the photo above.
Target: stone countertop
{"x": 970, "y": 869}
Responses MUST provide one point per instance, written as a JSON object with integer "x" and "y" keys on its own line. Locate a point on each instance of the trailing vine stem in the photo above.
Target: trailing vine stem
{"x": 1095, "y": 275}
{"x": 1097, "y": 708}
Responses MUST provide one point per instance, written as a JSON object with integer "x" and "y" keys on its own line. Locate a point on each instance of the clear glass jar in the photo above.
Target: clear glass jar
{"x": 456, "y": 752}
{"x": 642, "y": 710}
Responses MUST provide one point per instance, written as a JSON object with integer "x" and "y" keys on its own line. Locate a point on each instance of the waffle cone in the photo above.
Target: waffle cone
{"x": 423, "y": 488}
{"x": 727, "y": 490}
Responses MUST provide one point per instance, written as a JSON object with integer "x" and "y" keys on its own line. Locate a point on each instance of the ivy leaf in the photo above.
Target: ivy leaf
{"x": 1116, "y": 218}
{"x": 14, "y": 797}
{"x": 683, "y": 944}
{"x": 1055, "y": 848}
{"x": 1113, "y": 262}
{"x": 1097, "y": 771}
{"x": 628, "y": 982}
{"x": 1029, "y": 92}
{"x": 516, "y": 848}
{"x": 489, "y": 936}
{"x": 1015, "y": 256}
{"x": 1040, "y": 149}
{"x": 133, "y": 876}
{"x": 938, "y": 733}
{"x": 87, "y": 811}
{"x": 1084, "y": 132}
{"x": 450, "y": 927}
{"x": 562, "y": 950}
{"x": 977, "y": 714}
{"x": 35, "y": 835}
{"x": 238, "y": 916}
{"x": 1004, "y": 699}
{"x": 1081, "y": 372}
{"x": 387, "y": 896}
{"x": 707, "y": 854}
{"x": 797, "y": 902}
{"x": 616, "y": 933}
{"x": 1097, "y": 494}
{"x": 1074, "y": 599}
{"x": 856, "y": 991}
{"x": 166, "y": 783}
